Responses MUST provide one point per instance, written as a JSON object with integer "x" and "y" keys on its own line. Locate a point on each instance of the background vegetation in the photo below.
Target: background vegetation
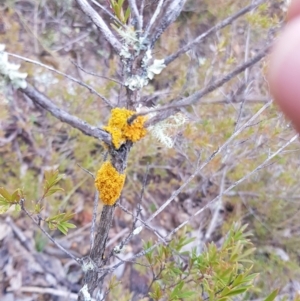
{"x": 33, "y": 142}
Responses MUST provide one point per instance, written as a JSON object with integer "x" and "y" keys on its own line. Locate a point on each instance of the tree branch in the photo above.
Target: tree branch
{"x": 92, "y": 277}
{"x": 97, "y": 75}
{"x": 99, "y": 22}
{"x": 40, "y": 99}
{"x": 169, "y": 110}
{"x": 220, "y": 82}
{"x": 212, "y": 30}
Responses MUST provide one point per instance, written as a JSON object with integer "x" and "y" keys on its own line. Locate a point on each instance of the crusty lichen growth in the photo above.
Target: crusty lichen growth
{"x": 121, "y": 131}
{"x": 109, "y": 183}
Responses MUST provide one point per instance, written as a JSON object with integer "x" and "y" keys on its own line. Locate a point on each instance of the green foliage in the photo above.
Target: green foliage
{"x": 40, "y": 241}
{"x": 60, "y": 222}
{"x": 52, "y": 177}
{"x": 272, "y": 296}
{"x": 269, "y": 199}
{"x": 181, "y": 273}
{"x": 7, "y": 199}
{"x": 260, "y": 18}
{"x": 117, "y": 7}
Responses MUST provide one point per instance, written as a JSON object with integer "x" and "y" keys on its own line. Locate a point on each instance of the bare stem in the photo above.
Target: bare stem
{"x": 97, "y": 75}
{"x": 154, "y": 17}
{"x": 134, "y": 10}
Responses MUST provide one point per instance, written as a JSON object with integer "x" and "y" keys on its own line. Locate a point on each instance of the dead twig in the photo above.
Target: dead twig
{"x": 97, "y": 75}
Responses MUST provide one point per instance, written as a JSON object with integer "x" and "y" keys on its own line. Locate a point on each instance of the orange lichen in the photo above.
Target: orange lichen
{"x": 109, "y": 183}
{"x": 121, "y": 131}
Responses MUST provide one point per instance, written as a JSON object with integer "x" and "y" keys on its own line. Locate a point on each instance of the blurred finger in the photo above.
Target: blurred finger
{"x": 284, "y": 70}
{"x": 294, "y": 10}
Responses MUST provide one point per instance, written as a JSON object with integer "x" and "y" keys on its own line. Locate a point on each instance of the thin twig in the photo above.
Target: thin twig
{"x": 145, "y": 224}
{"x": 97, "y": 75}
{"x": 134, "y": 10}
{"x": 92, "y": 90}
{"x": 236, "y": 100}
{"x": 73, "y": 41}
{"x": 220, "y": 82}
{"x": 40, "y": 99}
{"x": 23, "y": 239}
{"x": 47, "y": 234}
{"x": 85, "y": 170}
{"x": 212, "y": 30}
{"x": 246, "y": 75}
{"x": 116, "y": 237}
{"x": 134, "y": 262}
{"x": 142, "y": 12}
{"x": 154, "y": 17}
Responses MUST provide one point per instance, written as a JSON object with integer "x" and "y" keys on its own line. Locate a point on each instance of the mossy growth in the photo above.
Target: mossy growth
{"x": 109, "y": 183}
{"x": 121, "y": 131}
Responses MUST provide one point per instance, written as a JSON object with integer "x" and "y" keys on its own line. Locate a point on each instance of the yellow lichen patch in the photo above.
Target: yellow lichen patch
{"x": 109, "y": 183}
{"x": 121, "y": 131}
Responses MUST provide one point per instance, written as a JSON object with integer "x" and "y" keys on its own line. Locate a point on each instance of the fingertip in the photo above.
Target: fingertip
{"x": 294, "y": 10}
{"x": 284, "y": 72}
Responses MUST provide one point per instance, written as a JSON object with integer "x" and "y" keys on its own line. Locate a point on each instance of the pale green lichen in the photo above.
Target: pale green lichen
{"x": 155, "y": 68}
{"x": 164, "y": 130}
{"x": 9, "y": 72}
